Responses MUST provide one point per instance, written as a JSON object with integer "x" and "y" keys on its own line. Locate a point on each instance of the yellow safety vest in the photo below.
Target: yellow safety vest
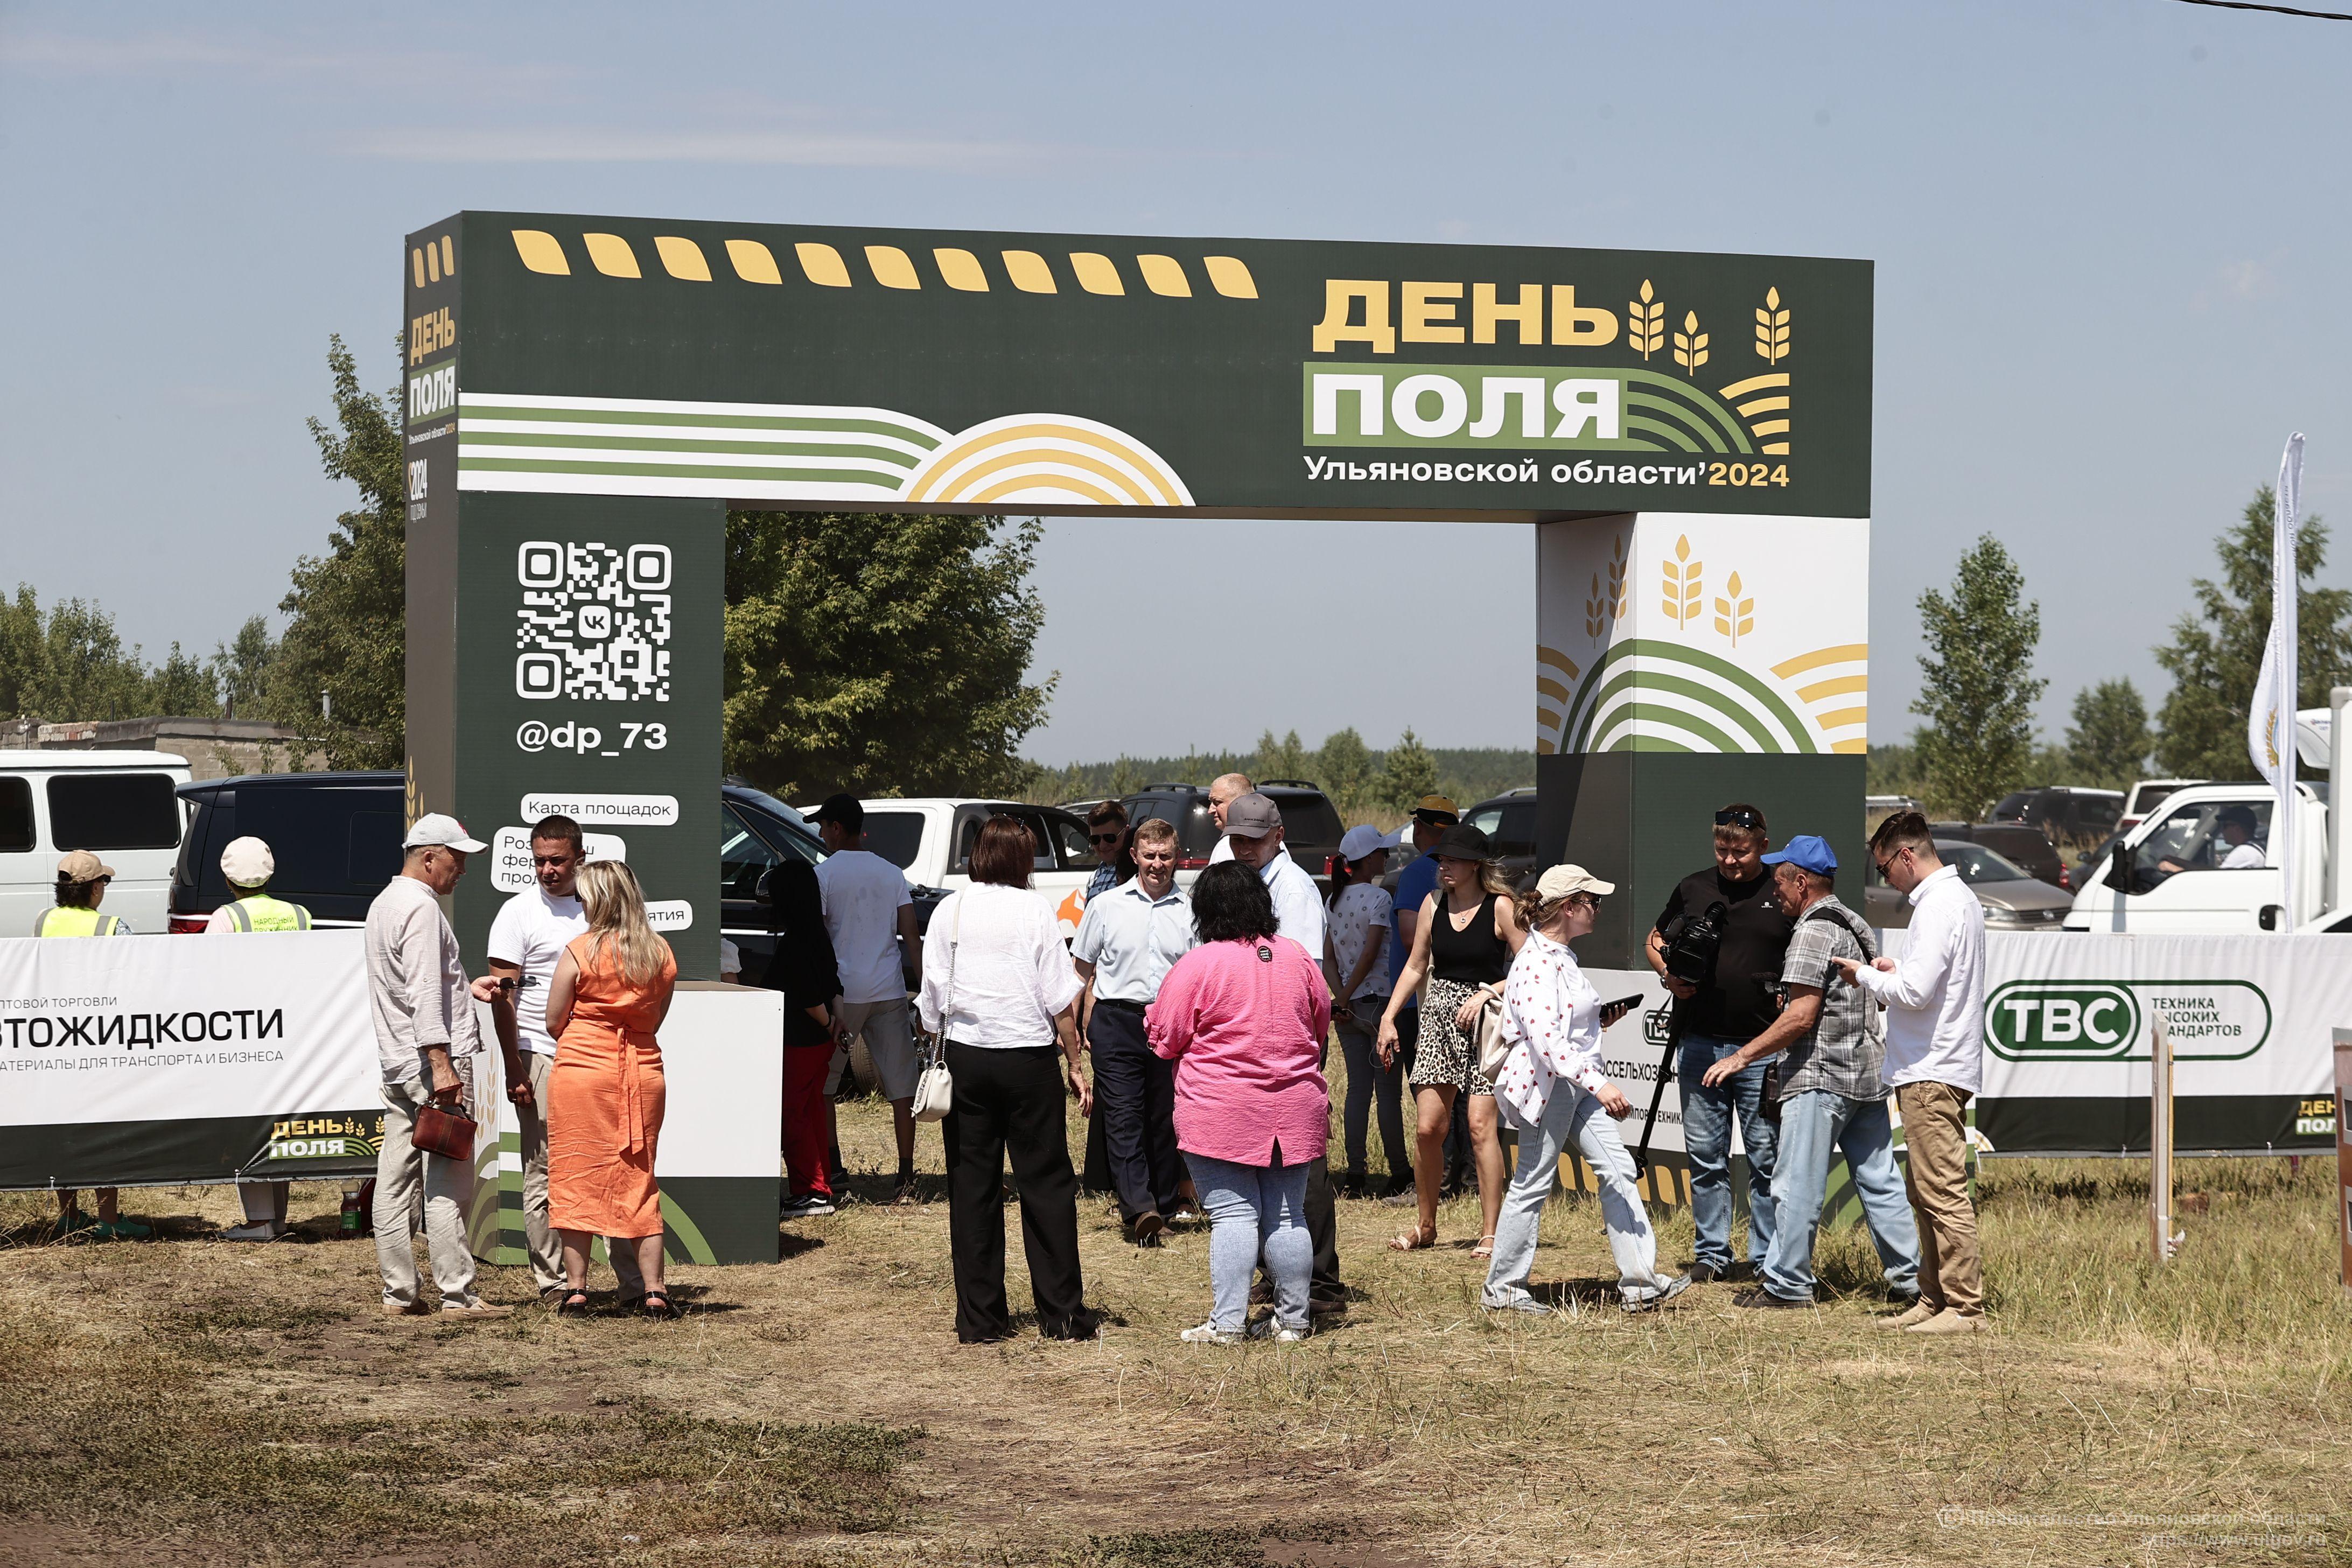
{"x": 63, "y": 920}
{"x": 260, "y": 911}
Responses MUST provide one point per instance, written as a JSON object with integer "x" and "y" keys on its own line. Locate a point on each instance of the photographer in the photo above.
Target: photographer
{"x": 1719, "y": 945}
{"x": 1831, "y": 1098}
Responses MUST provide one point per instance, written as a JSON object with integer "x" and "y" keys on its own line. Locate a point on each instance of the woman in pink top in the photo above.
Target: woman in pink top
{"x": 1242, "y": 1016}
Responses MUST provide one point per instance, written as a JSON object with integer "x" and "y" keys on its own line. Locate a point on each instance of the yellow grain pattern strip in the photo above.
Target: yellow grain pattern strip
{"x": 1843, "y": 653}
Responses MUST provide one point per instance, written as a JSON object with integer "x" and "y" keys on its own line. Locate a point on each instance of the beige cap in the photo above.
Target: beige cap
{"x": 1561, "y": 880}
{"x": 247, "y": 862}
{"x": 81, "y": 866}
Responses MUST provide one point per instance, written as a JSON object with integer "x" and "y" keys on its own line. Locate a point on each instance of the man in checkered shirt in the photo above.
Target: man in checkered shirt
{"x": 1831, "y": 1101}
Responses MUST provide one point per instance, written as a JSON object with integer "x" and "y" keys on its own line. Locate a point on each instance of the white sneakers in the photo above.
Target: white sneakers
{"x": 1264, "y": 1329}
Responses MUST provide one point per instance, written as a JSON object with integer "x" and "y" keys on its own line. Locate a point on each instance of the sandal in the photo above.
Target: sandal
{"x": 574, "y": 1304}
{"x": 1485, "y": 1247}
{"x": 1415, "y": 1239}
{"x": 665, "y": 1310}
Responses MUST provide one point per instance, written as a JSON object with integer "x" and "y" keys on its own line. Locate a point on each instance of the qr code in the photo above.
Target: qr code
{"x": 594, "y": 622}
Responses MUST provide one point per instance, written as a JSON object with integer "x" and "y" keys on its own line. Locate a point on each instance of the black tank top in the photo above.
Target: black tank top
{"x": 1474, "y": 955}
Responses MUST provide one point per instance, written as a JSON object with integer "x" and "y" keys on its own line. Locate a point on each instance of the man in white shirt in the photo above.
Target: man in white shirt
{"x": 1128, "y": 939}
{"x": 868, "y": 912}
{"x": 527, "y": 935}
{"x": 1253, "y": 828}
{"x": 1224, "y": 790}
{"x": 1934, "y": 998}
{"x": 422, "y": 1014}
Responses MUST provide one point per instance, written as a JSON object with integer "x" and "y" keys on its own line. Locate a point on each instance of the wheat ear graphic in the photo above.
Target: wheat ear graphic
{"x": 1772, "y": 329}
{"x": 1596, "y": 611}
{"x": 1681, "y": 601}
{"x": 1735, "y": 617}
{"x": 1690, "y": 345}
{"x": 1645, "y": 322}
{"x": 1617, "y": 579}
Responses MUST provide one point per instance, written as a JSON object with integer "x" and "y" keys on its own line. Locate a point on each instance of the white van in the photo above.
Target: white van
{"x": 121, "y": 806}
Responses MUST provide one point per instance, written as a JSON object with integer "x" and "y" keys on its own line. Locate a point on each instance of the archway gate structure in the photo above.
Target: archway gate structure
{"x": 1690, "y": 435}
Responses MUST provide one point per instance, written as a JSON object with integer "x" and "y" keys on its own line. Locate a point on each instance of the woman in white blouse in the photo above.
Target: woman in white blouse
{"x": 1000, "y": 989}
{"x": 1553, "y": 1089}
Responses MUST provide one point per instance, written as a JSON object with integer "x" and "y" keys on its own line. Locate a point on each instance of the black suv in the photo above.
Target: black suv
{"x": 2063, "y": 815}
{"x": 336, "y": 836}
{"x": 1310, "y": 823}
{"x": 1509, "y": 821}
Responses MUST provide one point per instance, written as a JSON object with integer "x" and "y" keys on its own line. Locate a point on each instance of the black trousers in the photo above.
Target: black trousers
{"x": 1135, "y": 1092}
{"x": 1323, "y": 1230}
{"x": 1009, "y": 1103}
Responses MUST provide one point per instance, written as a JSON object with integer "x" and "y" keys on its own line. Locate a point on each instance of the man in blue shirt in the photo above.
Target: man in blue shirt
{"x": 1129, "y": 938}
{"x": 1431, "y": 818}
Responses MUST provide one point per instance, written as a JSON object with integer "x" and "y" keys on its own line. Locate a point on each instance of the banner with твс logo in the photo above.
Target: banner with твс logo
{"x": 2068, "y": 1021}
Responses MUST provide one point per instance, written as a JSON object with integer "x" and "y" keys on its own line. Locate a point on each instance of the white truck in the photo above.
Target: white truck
{"x": 2202, "y": 860}
{"x": 930, "y": 841}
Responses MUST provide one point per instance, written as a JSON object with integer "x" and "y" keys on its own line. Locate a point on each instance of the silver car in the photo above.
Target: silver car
{"x": 2013, "y": 899}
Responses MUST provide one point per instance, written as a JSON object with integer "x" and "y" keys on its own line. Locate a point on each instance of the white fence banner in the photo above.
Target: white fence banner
{"x": 2066, "y": 1040}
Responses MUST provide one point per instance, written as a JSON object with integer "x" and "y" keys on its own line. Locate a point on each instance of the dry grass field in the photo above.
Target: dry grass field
{"x": 189, "y": 1401}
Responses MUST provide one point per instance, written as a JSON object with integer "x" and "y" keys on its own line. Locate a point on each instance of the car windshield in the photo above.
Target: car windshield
{"x": 2012, "y": 807}
{"x": 1976, "y": 864}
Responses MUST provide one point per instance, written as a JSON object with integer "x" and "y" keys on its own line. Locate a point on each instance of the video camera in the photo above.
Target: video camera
{"x": 1690, "y": 944}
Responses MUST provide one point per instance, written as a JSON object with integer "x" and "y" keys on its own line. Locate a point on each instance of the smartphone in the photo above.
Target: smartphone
{"x": 1633, "y": 1001}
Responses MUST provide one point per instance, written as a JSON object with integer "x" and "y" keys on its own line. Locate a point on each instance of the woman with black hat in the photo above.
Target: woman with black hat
{"x": 1463, "y": 945}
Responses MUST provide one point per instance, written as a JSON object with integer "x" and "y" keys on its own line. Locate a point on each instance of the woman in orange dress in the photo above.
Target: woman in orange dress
{"x": 609, "y": 991}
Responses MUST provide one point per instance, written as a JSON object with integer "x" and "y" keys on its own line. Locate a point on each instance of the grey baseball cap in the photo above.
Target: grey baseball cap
{"x": 1252, "y": 815}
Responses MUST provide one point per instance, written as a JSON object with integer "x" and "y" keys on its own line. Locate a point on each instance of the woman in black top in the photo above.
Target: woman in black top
{"x": 802, "y": 969}
{"x": 1463, "y": 944}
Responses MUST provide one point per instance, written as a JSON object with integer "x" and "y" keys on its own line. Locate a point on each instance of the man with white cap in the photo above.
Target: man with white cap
{"x": 423, "y": 1016}
{"x": 249, "y": 864}
{"x": 1554, "y": 1087}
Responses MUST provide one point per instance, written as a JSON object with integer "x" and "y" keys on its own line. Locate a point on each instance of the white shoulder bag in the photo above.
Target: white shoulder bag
{"x": 935, "y": 1090}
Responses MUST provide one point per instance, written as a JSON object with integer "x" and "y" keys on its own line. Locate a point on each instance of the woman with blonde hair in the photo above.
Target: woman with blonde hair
{"x": 611, "y": 991}
{"x": 1464, "y": 944}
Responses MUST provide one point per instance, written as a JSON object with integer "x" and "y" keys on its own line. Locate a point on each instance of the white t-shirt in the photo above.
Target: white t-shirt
{"x": 2248, "y": 856}
{"x": 863, "y": 895}
{"x": 731, "y": 959}
{"x": 1361, "y": 915}
{"x": 530, "y": 932}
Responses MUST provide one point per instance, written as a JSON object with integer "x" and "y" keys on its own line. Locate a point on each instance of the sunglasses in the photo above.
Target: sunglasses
{"x": 1883, "y": 865}
{"x": 1104, "y": 837}
{"x": 1739, "y": 817}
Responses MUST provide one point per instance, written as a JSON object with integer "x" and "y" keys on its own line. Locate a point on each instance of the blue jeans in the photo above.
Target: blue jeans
{"x": 1815, "y": 1125}
{"x": 1706, "y": 1141}
{"x": 1254, "y": 1208}
{"x": 1573, "y": 1120}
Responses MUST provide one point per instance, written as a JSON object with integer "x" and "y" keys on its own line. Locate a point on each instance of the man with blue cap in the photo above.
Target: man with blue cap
{"x": 1831, "y": 1098}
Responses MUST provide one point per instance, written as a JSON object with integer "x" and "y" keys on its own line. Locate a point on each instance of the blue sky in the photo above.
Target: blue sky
{"x": 2102, "y": 232}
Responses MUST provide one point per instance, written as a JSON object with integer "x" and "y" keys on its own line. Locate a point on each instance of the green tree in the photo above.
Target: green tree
{"x": 1977, "y": 696}
{"x": 347, "y": 639}
{"x": 241, "y": 670}
{"x": 2215, "y": 653}
{"x": 1283, "y": 759}
{"x": 1127, "y": 776}
{"x": 881, "y": 654}
{"x": 1344, "y": 768}
{"x": 2108, "y": 744}
{"x": 1408, "y": 772}
{"x": 68, "y": 663}
{"x": 180, "y": 687}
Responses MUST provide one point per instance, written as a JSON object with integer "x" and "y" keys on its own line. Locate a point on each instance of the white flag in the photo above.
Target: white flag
{"x": 2269, "y": 718}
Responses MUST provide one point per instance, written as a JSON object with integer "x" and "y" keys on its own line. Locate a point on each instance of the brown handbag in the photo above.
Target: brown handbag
{"x": 446, "y": 1131}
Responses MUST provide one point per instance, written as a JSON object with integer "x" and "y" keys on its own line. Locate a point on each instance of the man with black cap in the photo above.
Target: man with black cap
{"x": 248, "y": 863}
{"x": 1833, "y": 1099}
{"x": 868, "y": 912}
{"x": 1717, "y": 1016}
{"x": 1253, "y": 829}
